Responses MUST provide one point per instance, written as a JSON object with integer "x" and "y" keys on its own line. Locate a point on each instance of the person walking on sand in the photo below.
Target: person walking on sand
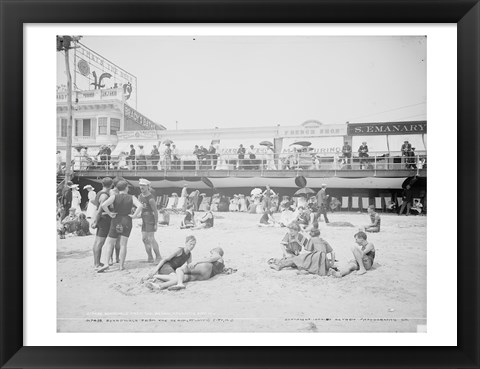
{"x": 167, "y": 266}
{"x": 149, "y": 220}
{"x": 267, "y": 198}
{"x": 364, "y": 253}
{"x": 121, "y": 224}
{"x": 322, "y": 198}
{"x": 374, "y": 226}
{"x": 101, "y": 221}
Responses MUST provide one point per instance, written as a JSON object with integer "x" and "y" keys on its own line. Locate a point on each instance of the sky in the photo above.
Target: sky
{"x": 227, "y": 82}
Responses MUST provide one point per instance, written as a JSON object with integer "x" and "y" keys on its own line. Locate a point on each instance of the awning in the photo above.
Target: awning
{"x": 124, "y": 146}
{"x": 396, "y": 141}
{"x": 323, "y": 146}
{"x": 377, "y": 145}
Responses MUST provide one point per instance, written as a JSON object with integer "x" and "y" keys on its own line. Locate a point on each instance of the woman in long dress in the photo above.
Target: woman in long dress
{"x": 76, "y": 199}
{"x": 271, "y": 159}
{"x": 91, "y": 208}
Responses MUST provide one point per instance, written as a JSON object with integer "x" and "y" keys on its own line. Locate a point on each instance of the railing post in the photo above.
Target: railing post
{"x": 375, "y": 165}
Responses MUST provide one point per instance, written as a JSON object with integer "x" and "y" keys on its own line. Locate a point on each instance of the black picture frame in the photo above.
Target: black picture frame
{"x": 14, "y": 14}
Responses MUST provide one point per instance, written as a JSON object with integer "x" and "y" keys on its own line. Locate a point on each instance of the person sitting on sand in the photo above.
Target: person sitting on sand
{"x": 83, "y": 227}
{"x": 293, "y": 241}
{"x": 163, "y": 217}
{"x": 304, "y": 217}
{"x": 374, "y": 227}
{"x": 318, "y": 260}
{"x": 189, "y": 219}
{"x": 267, "y": 219}
{"x": 199, "y": 271}
{"x": 69, "y": 224}
{"x": 175, "y": 260}
{"x": 207, "y": 220}
{"x": 364, "y": 253}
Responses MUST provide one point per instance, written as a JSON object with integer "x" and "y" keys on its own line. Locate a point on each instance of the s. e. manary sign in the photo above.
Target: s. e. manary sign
{"x": 387, "y": 128}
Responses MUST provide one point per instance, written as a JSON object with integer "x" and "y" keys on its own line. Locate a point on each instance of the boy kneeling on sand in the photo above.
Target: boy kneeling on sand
{"x": 364, "y": 253}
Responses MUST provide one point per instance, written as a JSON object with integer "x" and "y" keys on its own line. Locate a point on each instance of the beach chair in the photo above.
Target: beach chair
{"x": 181, "y": 203}
{"x": 345, "y": 202}
{"x": 172, "y": 202}
{"x": 389, "y": 204}
{"x": 204, "y": 203}
{"x": 365, "y": 203}
{"x": 378, "y": 203}
{"x": 355, "y": 202}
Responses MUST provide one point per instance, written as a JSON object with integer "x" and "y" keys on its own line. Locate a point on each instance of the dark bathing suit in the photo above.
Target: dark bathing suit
{"x": 148, "y": 217}
{"x": 175, "y": 263}
{"x": 122, "y": 205}
{"x": 217, "y": 268}
{"x": 103, "y": 224}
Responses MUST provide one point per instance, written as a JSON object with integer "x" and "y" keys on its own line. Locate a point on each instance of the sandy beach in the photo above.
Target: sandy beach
{"x": 389, "y": 298}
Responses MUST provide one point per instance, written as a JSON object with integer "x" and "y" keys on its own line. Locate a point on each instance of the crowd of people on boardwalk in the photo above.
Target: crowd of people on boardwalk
{"x": 245, "y": 158}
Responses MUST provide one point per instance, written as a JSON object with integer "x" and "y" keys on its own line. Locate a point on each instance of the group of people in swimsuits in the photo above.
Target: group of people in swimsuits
{"x": 113, "y": 224}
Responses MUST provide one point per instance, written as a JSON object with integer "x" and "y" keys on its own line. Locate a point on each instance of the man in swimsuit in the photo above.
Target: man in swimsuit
{"x": 101, "y": 221}
{"x": 364, "y": 253}
{"x": 375, "y": 219}
{"x": 121, "y": 223}
{"x": 267, "y": 198}
{"x": 149, "y": 220}
{"x": 199, "y": 271}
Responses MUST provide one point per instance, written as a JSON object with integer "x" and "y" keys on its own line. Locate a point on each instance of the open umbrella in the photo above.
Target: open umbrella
{"x": 266, "y": 143}
{"x": 167, "y": 141}
{"x": 300, "y": 181}
{"x": 207, "y": 182}
{"x": 256, "y": 191}
{"x": 301, "y": 143}
{"x": 304, "y": 192}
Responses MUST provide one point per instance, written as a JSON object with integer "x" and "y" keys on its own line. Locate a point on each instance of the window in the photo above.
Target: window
{"x": 87, "y": 127}
{"x": 78, "y": 126}
{"x": 114, "y": 126}
{"x": 102, "y": 126}
{"x": 63, "y": 127}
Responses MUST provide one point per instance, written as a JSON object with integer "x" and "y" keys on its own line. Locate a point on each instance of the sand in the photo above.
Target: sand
{"x": 389, "y": 298}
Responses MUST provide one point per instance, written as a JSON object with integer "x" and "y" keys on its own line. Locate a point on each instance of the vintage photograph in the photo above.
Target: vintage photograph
{"x": 241, "y": 183}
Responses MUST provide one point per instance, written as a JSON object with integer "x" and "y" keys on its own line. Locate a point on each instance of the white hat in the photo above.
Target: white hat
{"x": 143, "y": 182}
{"x": 74, "y": 186}
{"x": 324, "y": 185}
{"x": 88, "y": 186}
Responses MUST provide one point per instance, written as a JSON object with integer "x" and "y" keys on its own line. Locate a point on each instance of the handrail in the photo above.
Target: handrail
{"x": 263, "y": 163}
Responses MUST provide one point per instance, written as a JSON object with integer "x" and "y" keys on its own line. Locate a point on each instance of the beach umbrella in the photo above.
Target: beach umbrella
{"x": 207, "y": 182}
{"x": 304, "y": 192}
{"x": 301, "y": 143}
{"x": 420, "y": 181}
{"x": 256, "y": 191}
{"x": 167, "y": 141}
{"x": 300, "y": 181}
{"x": 266, "y": 143}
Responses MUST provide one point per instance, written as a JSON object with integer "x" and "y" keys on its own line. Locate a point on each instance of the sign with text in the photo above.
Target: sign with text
{"x": 138, "y": 118}
{"x": 323, "y": 130}
{"x": 137, "y": 135}
{"x": 387, "y": 128}
{"x": 94, "y": 72}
